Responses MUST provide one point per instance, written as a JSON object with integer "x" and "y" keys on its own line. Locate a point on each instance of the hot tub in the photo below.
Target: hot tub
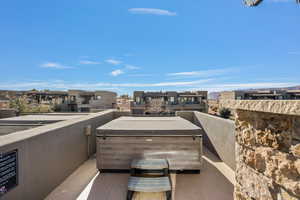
{"x": 127, "y": 138}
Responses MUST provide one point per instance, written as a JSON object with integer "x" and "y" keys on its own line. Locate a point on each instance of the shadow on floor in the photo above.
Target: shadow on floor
{"x": 108, "y": 186}
{"x": 86, "y": 184}
{"x": 210, "y": 184}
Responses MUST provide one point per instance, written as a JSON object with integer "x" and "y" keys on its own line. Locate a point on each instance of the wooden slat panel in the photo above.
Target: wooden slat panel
{"x": 118, "y": 152}
{"x": 161, "y": 155}
{"x": 133, "y": 139}
{"x": 149, "y": 152}
{"x": 154, "y": 145}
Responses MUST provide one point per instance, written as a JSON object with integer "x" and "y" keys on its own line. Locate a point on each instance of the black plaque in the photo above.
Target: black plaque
{"x": 8, "y": 171}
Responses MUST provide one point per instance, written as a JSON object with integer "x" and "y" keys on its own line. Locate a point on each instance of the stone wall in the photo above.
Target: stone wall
{"x": 267, "y": 150}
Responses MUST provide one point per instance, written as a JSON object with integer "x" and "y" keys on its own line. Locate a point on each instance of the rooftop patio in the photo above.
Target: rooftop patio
{"x": 216, "y": 181}
{"x": 57, "y": 161}
{"x": 54, "y": 159}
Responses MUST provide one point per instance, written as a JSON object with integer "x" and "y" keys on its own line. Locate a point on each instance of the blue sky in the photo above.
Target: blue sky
{"x": 148, "y": 45}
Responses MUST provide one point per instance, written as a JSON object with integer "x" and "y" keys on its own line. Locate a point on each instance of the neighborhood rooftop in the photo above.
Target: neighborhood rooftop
{"x": 90, "y": 156}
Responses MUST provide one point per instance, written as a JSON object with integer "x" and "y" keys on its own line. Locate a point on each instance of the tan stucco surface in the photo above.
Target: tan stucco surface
{"x": 176, "y": 125}
{"x": 41, "y": 118}
{"x": 50, "y": 153}
{"x": 215, "y": 182}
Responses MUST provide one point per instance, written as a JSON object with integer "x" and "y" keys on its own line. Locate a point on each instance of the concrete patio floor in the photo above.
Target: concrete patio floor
{"x": 215, "y": 182}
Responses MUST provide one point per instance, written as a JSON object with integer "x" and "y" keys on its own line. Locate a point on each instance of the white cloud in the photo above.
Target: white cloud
{"x": 131, "y": 67}
{"x": 55, "y": 65}
{"x": 255, "y": 85}
{"x": 88, "y": 62}
{"x": 182, "y": 83}
{"x": 92, "y": 86}
{"x": 113, "y": 61}
{"x": 205, "y": 84}
{"x": 203, "y": 73}
{"x": 23, "y": 85}
{"x": 244, "y": 86}
{"x": 117, "y": 72}
{"x": 152, "y": 11}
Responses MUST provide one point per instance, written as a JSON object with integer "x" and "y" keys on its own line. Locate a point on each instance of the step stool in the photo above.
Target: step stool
{"x": 149, "y": 166}
{"x": 149, "y": 175}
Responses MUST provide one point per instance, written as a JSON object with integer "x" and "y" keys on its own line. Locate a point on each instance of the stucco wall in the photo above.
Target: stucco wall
{"x": 7, "y": 129}
{"x": 48, "y": 154}
{"x": 218, "y": 134}
{"x": 107, "y": 100}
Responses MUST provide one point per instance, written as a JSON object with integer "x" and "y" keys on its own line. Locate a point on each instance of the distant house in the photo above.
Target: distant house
{"x": 261, "y": 95}
{"x": 46, "y": 97}
{"x": 64, "y": 101}
{"x": 86, "y": 101}
{"x": 123, "y": 103}
{"x": 168, "y": 102}
{"x": 4, "y": 102}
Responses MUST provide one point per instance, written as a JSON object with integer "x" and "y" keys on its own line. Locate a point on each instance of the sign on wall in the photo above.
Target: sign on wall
{"x": 8, "y": 171}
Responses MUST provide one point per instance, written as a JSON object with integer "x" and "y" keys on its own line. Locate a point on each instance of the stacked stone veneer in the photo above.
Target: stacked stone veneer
{"x": 267, "y": 150}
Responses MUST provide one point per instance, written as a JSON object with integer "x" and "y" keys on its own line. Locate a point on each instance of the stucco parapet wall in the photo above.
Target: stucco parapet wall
{"x": 26, "y": 134}
{"x": 287, "y": 107}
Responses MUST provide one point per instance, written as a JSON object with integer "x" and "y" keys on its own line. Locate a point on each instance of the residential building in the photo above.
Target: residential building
{"x": 46, "y": 96}
{"x": 64, "y": 101}
{"x": 12, "y": 94}
{"x": 231, "y": 95}
{"x": 168, "y": 102}
{"x": 261, "y": 94}
{"x": 4, "y": 102}
{"x": 123, "y": 103}
{"x": 85, "y": 101}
